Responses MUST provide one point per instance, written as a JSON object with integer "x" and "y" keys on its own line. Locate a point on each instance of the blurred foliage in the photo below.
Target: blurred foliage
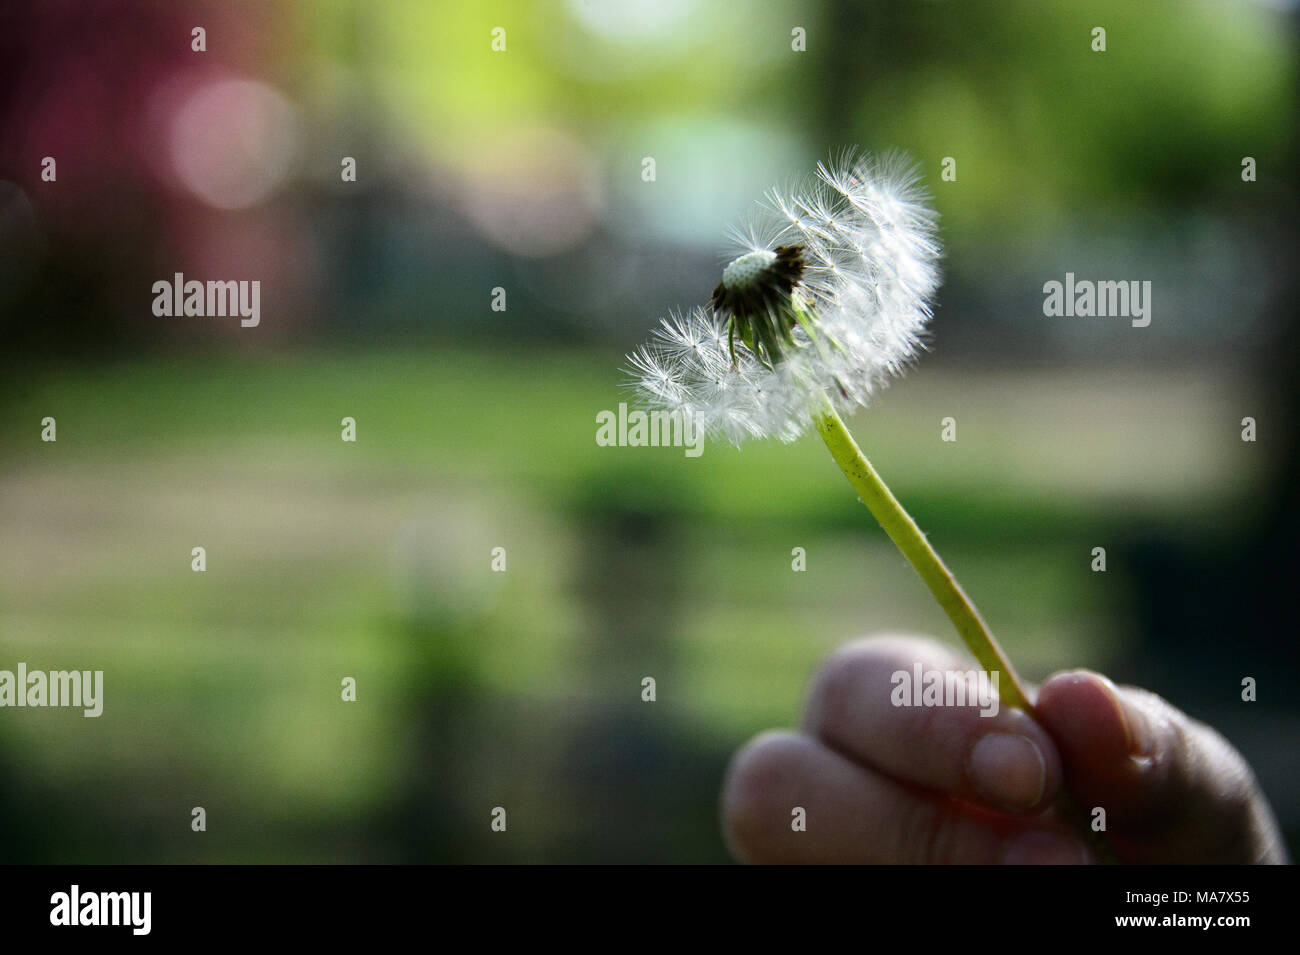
{"x": 475, "y": 689}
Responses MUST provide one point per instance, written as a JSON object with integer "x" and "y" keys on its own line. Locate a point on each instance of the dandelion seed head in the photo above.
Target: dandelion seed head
{"x": 826, "y": 292}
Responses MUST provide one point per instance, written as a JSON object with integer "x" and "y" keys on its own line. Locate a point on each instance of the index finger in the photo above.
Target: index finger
{"x": 949, "y": 734}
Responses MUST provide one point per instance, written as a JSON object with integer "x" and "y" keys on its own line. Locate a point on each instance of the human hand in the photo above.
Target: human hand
{"x": 881, "y": 783}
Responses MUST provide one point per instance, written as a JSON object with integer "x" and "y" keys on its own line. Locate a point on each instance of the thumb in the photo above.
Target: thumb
{"x": 1173, "y": 789}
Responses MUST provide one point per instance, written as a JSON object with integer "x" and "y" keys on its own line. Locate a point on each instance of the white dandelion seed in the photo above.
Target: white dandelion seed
{"x": 827, "y": 295}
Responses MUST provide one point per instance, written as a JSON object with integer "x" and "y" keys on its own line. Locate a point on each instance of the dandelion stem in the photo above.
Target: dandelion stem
{"x": 902, "y": 530}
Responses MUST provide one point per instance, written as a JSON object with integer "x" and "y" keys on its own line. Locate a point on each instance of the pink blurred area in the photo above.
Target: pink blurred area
{"x": 155, "y": 143}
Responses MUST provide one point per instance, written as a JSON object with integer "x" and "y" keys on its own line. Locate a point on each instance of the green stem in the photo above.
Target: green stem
{"x": 902, "y": 530}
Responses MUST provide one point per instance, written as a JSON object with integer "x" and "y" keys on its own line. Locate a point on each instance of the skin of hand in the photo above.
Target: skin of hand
{"x": 881, "y": 783}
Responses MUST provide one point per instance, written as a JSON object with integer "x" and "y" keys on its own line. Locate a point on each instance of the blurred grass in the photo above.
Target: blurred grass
{"x": 372, "y": 560}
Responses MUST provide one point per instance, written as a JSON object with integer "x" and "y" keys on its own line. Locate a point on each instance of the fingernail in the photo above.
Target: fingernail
{"x": 1137, "y": 730}
{"x": 1009, "y": 771}
{"x": 1045, "y": 848}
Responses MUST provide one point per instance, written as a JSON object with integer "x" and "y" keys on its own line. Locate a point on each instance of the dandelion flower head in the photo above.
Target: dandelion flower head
{"x": 827, "y": 293}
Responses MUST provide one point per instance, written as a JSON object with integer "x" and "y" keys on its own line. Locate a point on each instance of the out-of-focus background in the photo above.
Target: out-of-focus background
{"x": 524, "y": 169}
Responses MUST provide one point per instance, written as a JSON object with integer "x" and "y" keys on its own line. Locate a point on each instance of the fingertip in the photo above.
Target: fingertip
{"x": 1113, "y": 757}
{"x": 756, "y": 772}
{"x": 1088, "y": 717}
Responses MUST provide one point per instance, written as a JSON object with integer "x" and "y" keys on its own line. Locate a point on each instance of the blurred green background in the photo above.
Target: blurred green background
{"x": 522, "y": 169}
